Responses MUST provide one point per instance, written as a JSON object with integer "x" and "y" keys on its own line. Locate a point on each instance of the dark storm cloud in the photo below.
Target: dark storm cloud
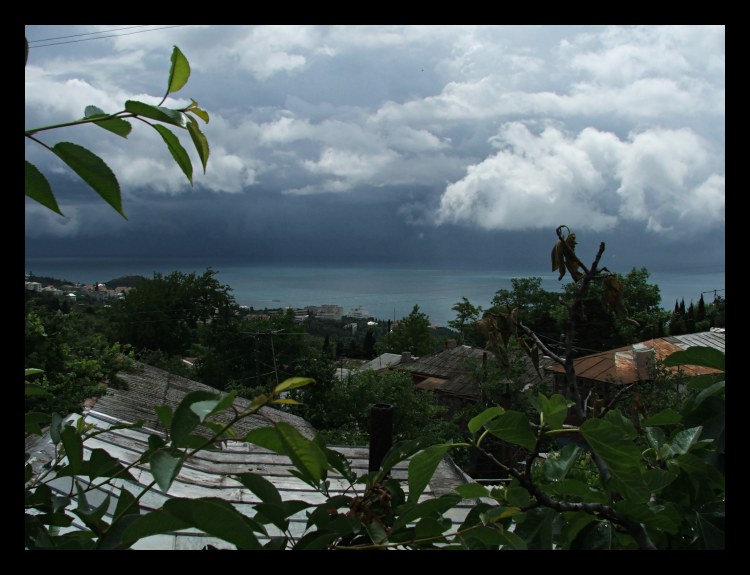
{"x": 380, "y": 142}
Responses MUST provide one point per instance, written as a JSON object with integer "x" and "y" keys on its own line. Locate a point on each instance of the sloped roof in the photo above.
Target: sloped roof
{"x": 452, "y": 371}
{"x": 209, "y": 474}
{"x": 382, "y": 361}
{"x": 618, "y": 366}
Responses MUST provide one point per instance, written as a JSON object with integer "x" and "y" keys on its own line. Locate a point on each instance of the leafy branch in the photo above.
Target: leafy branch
{"x": 95, "y": 171}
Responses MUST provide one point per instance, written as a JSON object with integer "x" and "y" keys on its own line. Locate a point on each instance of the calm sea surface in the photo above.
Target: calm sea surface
{"x": 386, "y": 291}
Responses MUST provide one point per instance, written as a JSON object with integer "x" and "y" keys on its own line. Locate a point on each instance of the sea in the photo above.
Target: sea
{"x": 384, "y": 291}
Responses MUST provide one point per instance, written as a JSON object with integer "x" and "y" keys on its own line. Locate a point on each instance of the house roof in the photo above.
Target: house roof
{"x": 209, "y": 474}
{"x": 452, "y": 371}
{"x": 148, "y": 386}
{"x": 382, "y": 361}
{"x": 619, "y": 366}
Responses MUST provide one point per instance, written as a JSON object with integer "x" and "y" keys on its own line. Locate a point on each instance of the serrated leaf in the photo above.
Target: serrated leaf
{"x": 178, "y": 152}
{"x": 306, "y": 455}
{"x": 93, "y": 170}
{"x": 200, "y": 112}
{"x": 164, "y": 467}
{"x": 264, "y": 489}
{"x": 513, "y": 427}
{"x": 117, "y": 126}
{"x": 292, "y": 383}
{"x": 200, "y": 141}
{"x": 422, "y": 467}
{"x": 476, "y": 422}
{"x": 218, "y": 518}
{"x": 38, "y": 189}
{"x": 159, "y": 113}
{"x": 179, "y": 72}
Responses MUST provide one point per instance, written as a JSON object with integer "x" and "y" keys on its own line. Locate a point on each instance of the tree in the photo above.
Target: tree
{"x": 411, "y": 334}
{"x": 164, "y": 313}
{"x": 467, "y": 316}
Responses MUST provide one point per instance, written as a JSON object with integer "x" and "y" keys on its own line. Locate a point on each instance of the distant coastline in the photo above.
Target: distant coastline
{"x": 387, "y": 291}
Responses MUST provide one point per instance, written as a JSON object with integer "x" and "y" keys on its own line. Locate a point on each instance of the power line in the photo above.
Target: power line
{"x": 102, "y": 37}
{"x": 87, "y": 34}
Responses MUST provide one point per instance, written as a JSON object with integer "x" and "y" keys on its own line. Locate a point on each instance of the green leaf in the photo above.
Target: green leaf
{"x": 216, "y": 517}
{"x": 55, "y": 427}
{"x": 276, "y": 544}
{"x": 306, "y": 455}
{"x": 339, "y": 463}
{"x": 555, "y": 410}
{"x": 623, "y": 423}
{"x": 655, "y": 437}
{"x": 576, "y": 489}
{"x": 164, "y": 468}
{"x": 665, "y": 417}
{"x": 264, "y": 489}
{"x": 93, "y": 170}
{"x": 597, "y": 535}
{"x": 34, "y": 420}
{"x": 200, "y": 112}
{"x": 400, "y": 451}
{"x": 29, "y": 371}
{"x": 513, "y": 427}
{"x": 153, "y": 523}
{"x": 621, "y": 455}
{"x": 115, "y": 125}
{"x": 701, "y": 382}
{"x": 711, "y": 390}
{"x": 73, "y": 449}
{"x": 574, "y": 522}
{"x": 697, "y": 355}
{"x": 32, "y": 389}
{"x": 428, "y": 508}
{"x": 38, "y": 188}
{"x": 164, "y": 413}
{"x": 179, "y": 72}
{"x": 126, "y": 504}
{"x": 316, "y": 540}
{"x": 432, "y": 527}
{"x": 557, "y": 468}
{"x": 657, "y": 479}
{"x": 265, "y": 437}
{"x": 178, "y": 152}
{"x": 28, "y": 472}
{"x": 159, "y": 113}
{"x": 657, "y": 517}
{"x": 292, "y": 383}
{"x": 685, "y": 439}
{"x": 422, "y": 467}
{"x": 185, "y": 420}
{"x": 476, "y": 423}
{"x": 92, "y": 517}
{"x": 472, "y": 491}
{"x": 286, "y": 401}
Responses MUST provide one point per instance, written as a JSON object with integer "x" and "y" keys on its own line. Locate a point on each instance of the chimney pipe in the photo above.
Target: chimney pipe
{"x": 381, "y": 433}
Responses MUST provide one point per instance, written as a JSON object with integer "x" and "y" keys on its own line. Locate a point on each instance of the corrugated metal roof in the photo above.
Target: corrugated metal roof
{"x": 148, "y": 386}
{"x": 208, "y": 474}
{"x": 618, "y": 365}
{"x": 382, "y": 361}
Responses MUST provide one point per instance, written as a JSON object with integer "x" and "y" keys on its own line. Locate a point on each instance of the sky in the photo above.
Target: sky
{"x": 424, "y": 144}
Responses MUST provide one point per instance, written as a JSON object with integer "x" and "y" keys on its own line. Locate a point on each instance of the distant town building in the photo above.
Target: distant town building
{"x": 33, "y": 286}
{"x": 327, "y": 311}
{"x": 359, "y": 312}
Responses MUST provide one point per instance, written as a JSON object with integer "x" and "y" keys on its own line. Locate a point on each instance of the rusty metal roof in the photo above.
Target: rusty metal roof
{"x": 618, "y": 366}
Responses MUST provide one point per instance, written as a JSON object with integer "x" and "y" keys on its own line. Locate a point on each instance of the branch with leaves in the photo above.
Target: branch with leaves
{"x": 95, "y": 171}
